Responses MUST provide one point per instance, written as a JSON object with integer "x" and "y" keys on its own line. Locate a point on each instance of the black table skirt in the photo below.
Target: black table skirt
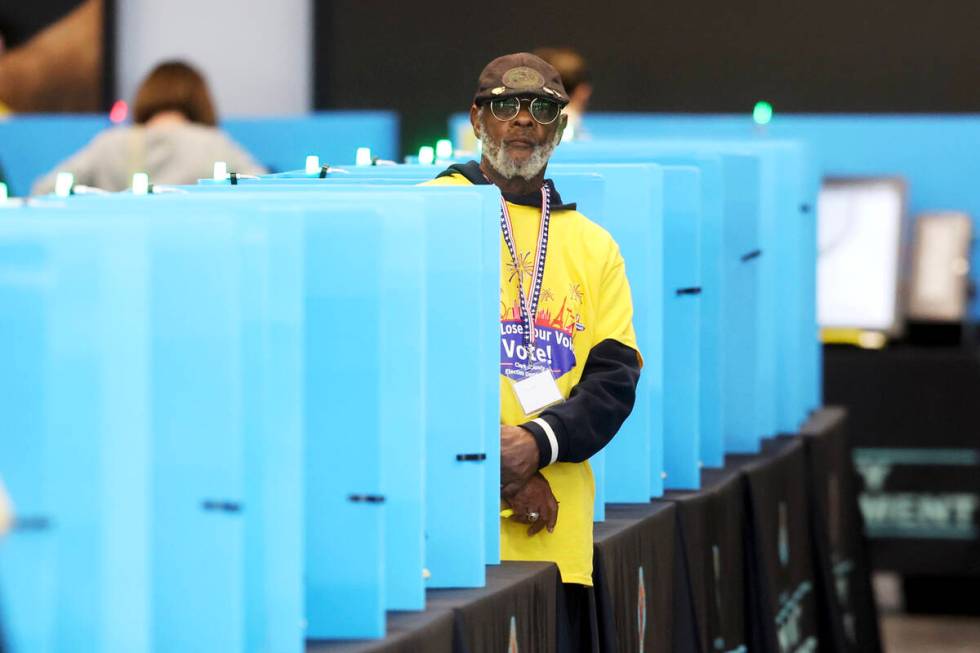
{"x": 519, "y": 603}
{"x": 712, "y": 527}
{"x": 640, "y": 581}
{"x": 781, "y": 598}
{"x": 408, "y": 632}
{"x": 850, "y": 616}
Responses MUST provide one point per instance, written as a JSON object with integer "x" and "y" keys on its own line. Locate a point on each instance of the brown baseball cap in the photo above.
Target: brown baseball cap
{"x": 521, "y": 73}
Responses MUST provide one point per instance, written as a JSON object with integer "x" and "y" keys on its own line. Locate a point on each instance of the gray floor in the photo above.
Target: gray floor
{"x": 903, "y": 633}
{"x": 918, "y": 634}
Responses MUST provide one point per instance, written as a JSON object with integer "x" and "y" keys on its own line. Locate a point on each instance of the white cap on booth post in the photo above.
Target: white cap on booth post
{"x": 312, "y": 164}
{"x": 141, "y": 183}
{"x": 63, "y": 184}
{"x": 363, "y": 156}
{"x": 220, "y": 171}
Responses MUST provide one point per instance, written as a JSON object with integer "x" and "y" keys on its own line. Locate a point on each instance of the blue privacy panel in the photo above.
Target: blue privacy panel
{"x": 74, "y": 455}
{"x": 785, "y": 307}
{"x": 682, "y": 322}
{"x": 400, "y": 251}
{"x": 632, "y": 211}
{"x": 342, "y": 451}
{"x": 283, "y": 143}
{"x": 788, "y": 329}
{"x": 462, "y": 250}
{"x": 676, "y": 335}
{"x": 588, "y": 192}
{"x": 271, "y": 269}
{"x": 740, "y": 255}
{"x": 244, "y": 487}
{"x": 740, "y": 258}
{"x": 198, "y": 435}
{"x": 354, "y": 172}
{"x": 279, "y": 572}
{"x": 934, "y": 153}
{"x": 32, "y": 145}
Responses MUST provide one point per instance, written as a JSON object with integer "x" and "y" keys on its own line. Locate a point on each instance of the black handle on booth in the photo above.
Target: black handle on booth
{"x": 213, "y": 505}
{"x": 31, "y": 524}
{"x": 366, "y": 498}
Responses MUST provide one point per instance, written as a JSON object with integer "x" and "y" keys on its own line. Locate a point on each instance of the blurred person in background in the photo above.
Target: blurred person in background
{"x": 577, "y": 80}
{"x": 174, "y": 138}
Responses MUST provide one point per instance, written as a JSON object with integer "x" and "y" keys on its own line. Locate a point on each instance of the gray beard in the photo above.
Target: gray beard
{"x": 506, "y": 167}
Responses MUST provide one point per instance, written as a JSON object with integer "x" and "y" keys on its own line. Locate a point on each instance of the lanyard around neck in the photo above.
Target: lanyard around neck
{"x": 529, "y": 303}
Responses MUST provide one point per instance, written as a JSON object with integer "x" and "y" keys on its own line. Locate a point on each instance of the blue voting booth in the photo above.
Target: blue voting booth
{"x": 306, "y": 435}
{"x": 61, "y": 424}
{"x": 180, "y": 451}
{"x": 736, "y": 273}
{"x": 933, "y": 153}
{"x": 462, "y": 273}
{"x": 217, "y": 500}
{"x": 646, "y": 207}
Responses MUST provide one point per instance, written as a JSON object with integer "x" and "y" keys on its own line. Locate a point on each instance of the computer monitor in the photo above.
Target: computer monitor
{"x": 861, "y": 234}
{"x": 939, "y": 274}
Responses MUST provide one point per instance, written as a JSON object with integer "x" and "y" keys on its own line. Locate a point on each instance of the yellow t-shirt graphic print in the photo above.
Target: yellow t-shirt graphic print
{"x": 584, "y": 300}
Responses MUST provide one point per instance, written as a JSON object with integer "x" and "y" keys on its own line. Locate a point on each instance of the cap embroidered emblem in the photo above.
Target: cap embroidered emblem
{"x": 523, "y": 78}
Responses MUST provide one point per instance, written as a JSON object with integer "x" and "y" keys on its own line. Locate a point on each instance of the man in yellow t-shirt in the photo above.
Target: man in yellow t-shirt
{"x": 568, "y": 383}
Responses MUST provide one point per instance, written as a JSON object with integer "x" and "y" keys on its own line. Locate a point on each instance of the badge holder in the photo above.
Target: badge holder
{"x": 537, "y": 391}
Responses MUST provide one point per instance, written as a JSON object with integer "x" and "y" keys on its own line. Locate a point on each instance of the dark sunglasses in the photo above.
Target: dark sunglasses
{"x": 543, "y": 111}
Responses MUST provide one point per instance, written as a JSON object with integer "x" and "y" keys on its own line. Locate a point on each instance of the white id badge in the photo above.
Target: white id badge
{"x": 537, "y": 391}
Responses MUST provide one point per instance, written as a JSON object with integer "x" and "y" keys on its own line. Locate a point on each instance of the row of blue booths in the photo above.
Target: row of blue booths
{"x": 247, "y": 414}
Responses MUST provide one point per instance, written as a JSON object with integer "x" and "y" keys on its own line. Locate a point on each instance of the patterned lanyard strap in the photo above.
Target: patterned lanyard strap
{"x": 529, "y": 305}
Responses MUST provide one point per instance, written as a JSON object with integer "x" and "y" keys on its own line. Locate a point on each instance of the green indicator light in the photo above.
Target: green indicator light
{"x": 427, "y": 155}
{"x": 444, "y": 149}
{"x": 762, "y": 114}
{"x": 3, "y": 192}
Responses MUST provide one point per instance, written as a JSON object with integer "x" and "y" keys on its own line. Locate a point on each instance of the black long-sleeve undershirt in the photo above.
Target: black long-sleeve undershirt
{"x": 595, "y": 409}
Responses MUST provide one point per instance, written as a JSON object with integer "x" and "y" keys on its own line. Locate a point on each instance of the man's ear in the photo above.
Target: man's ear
{"x": 562, "y": 123}
{"x": 475, "y": 120}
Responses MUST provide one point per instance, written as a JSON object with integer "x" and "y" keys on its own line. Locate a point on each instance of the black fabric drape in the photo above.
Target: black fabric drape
{"x": 781, "y": 572}
{"x": 838, "y": 529}
{"x": 408, "y": 632}
{"x": 636, "y": 562}
{"x": 712, "y": 525}
{"x": 519, "y": 603}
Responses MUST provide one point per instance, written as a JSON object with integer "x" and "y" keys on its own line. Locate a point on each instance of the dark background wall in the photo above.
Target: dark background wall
{"x": 422, "y": 57}
{"x": 19, "y": 21}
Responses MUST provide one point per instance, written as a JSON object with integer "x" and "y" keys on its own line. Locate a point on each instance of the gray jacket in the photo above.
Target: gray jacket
{"x": 169, "y": 154}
